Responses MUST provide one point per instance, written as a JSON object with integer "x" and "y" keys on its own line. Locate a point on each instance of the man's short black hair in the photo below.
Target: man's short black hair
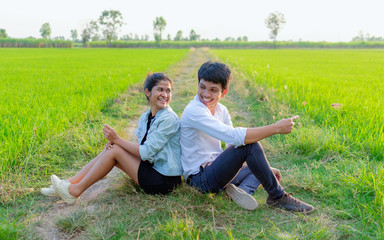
{"x": 215, "y": 72}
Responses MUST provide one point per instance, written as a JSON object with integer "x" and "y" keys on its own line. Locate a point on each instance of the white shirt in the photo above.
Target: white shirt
{"x": 201, "y": 133}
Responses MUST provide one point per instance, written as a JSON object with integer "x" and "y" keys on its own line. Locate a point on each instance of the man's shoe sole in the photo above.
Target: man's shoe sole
{"x": 241, "y": 198}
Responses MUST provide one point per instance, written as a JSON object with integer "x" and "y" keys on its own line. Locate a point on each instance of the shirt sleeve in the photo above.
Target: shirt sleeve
{"x": 201, "y": 119}
{"x": 227, "y": 120}
{"x": 157, "y": 139}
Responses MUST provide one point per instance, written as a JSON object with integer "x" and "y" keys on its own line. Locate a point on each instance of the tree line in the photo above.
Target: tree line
{"x": 107, "y": 26}
{"x": 110, "y": 21}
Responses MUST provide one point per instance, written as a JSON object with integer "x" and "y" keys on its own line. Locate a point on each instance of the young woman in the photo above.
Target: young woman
{"x": 154, "y": 164}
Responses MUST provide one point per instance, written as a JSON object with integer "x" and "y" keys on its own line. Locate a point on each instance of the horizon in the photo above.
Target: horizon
{"x": 338, "y": 23}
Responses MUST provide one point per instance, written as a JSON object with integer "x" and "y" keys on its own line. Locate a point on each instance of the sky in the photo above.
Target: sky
{"x": 306, "y": 20}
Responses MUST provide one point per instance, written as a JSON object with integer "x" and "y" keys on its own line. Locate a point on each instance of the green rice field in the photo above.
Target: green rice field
{"x": 336, "y": 150}
{"x": 53, "y": 102}
{"x": 46, "y": 91}
{"x": 340, "y": 90}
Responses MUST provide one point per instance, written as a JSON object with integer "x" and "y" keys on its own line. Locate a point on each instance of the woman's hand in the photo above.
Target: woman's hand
{"x": 285, "y": 126}
{"x": 108, "y": 146}
{"x": 277, "y": 173}
{"x": 110, "y": 134}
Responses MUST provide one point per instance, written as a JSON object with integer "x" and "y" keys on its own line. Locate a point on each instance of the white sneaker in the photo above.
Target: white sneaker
{"x": 50, "y": 192}
{"x": 62, "y": 189}
{"x": 241, "y": 197}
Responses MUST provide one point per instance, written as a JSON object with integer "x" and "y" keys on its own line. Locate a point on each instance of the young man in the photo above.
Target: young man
{"x": 205, "y": 123}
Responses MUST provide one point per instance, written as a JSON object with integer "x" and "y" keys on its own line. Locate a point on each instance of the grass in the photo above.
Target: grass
{"x": 346, "y": 187}
{"x": 52, "y": 100}
{"x": 45, "y": 92}
{"x": 340, "y": 90}
{"x": 334, "y": 154}
{"x": 75, "y": 222}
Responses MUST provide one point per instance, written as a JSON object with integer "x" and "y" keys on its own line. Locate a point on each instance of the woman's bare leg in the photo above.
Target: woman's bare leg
{"x": 80, "y": 175}
{"x": 127, "y": 162}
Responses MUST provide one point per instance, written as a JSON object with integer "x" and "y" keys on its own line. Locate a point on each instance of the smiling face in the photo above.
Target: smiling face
{"x": 210, "y": 94}
{"x": 159, "y": 96}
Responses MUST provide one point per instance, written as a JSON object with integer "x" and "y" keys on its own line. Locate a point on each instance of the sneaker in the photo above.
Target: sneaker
{"x": 62, "y": 189}
{"x": 50, "y": 192}
{"x": 290, "y": 203}
{"x": 241, "y": 197}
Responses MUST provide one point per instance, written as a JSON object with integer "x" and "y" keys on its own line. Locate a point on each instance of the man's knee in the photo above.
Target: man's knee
{"x": 256, "y": 146}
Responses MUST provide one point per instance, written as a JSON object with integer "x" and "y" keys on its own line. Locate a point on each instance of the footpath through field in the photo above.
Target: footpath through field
{"x": 114, "y": 208}
{"x": 184, "y": 76}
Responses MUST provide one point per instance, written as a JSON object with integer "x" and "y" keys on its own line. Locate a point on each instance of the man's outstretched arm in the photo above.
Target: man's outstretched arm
{"x": 283, "y": 126}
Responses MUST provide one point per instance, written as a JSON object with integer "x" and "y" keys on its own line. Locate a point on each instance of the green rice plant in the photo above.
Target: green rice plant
{"x": 334, "y": 153}
{"x": 47, "y": 91}
{"x": 340, "y": 90}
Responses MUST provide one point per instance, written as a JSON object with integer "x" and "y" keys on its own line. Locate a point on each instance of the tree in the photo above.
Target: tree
{"x": 126, "y": 37}
{"x": 74, "y": 35}
{"x": 359, "y": 38}
{"x": 45, "y": 31}
{"x": 193, "y": 36}
{"x": 3, "y": 33}
{"x": 275, "y": 22}
{"x": 229, "y": 39}
{"x": 90, "y": 32}
{"x": 245, "y": 39}
{"x": 367, "y": 37}
{"x": 85, "y": 36}
{"x": 111, "y": 21}
{"x": 59, "y": 38}
{"x": 158, "y": 28}
{"x": 375, "y": 39}
{"x": 179, "y": 36}
{"x": 94, "y": 30}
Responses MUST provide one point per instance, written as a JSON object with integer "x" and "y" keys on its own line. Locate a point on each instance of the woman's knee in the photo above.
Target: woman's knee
{"x": 115, "y": 149}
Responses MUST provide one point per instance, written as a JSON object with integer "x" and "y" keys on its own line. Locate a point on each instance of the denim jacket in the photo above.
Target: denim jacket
{"x": 162, "y": 147}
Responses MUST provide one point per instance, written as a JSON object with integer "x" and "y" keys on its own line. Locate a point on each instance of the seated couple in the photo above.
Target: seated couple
{"x": 168, "y": 148}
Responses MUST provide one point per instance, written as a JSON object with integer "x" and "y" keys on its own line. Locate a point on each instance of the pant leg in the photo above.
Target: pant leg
{"x": 241, "y": 175}
{"x": 246, "y": 180}
{"x": 217, "y": 174}
{"x": 214, "y": 176}
{"x": 259, "y": 166}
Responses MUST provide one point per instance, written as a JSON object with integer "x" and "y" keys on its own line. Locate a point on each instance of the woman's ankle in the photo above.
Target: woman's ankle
{"x": 74, "y": 191}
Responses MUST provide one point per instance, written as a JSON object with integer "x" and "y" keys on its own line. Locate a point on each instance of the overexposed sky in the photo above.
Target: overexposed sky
{"x": 307, "y": 20}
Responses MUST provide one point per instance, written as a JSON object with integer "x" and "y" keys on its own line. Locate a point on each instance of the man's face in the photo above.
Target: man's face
{"x": 210, "y": 93}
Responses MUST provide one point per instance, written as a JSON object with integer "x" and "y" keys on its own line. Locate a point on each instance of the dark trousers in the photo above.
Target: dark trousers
{"x": 214, "y": 176}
